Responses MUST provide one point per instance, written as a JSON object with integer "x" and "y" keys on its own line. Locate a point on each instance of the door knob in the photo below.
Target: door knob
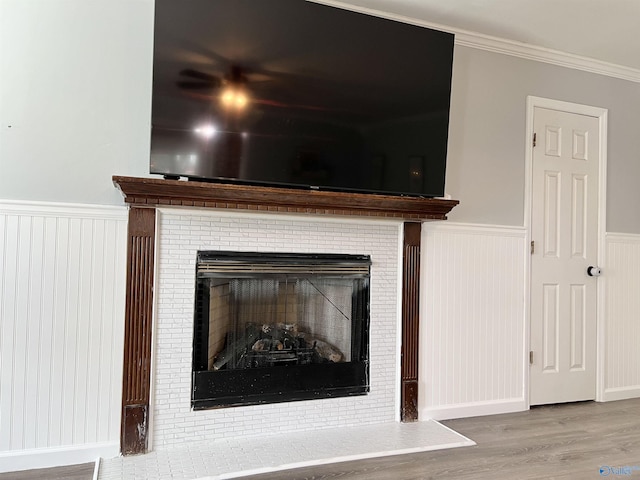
{"x": 594, "y": 271}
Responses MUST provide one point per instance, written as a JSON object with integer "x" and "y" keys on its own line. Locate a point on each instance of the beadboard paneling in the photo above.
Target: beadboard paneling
{"x": 621, "y": 276}
{"x": 61, "y": 312}
{"x": 472, "y": 330}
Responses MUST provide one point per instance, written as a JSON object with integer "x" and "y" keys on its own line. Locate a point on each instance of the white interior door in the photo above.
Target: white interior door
{"x": 564, "y": 232}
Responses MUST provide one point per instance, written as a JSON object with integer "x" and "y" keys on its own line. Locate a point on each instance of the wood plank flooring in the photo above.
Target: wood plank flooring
{"x": 82, "y": 471}
{"x": 569, "y": 441}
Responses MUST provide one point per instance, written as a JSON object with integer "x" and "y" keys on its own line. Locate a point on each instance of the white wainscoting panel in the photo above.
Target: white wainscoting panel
{"x": 621, "y": 277}
{"x": 472, "y": 332}
{"x": 62, "y": 273}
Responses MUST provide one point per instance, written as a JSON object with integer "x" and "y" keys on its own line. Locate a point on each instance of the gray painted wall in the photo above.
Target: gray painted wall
{"x": 75, "y": 97}
{"x": 75, "y": 109}
{"x": 485, "y": 168}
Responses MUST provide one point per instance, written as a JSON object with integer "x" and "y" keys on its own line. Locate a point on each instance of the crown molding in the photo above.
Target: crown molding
{"x": 503, "y": 46}
{"x": 545, "y": 55}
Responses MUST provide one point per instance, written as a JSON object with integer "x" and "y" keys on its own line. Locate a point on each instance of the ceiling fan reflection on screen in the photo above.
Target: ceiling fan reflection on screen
{"x": 239, "y": 87}
{"x": 233, "y": 91}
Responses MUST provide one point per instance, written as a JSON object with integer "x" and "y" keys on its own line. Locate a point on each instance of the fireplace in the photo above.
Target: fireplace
{"x": 279, "y": 327}
{"x": 171, "y": 220}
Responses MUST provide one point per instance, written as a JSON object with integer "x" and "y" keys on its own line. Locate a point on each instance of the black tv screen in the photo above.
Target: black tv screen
{"x": 296, "y": 93}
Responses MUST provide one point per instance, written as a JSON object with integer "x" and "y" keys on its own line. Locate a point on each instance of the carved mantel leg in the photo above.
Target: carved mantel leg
{"x": 137, "y": 331}
{"x": 410, "y": 321}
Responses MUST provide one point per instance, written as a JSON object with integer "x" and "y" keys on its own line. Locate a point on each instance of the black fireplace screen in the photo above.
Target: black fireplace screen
{"x": 279, "y": 327}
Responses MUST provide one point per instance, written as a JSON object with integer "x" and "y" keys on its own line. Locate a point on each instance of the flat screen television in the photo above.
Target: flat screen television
{"x": 299, "y": 94}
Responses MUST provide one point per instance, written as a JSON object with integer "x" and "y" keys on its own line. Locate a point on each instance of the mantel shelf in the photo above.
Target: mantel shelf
{"x": 152, "y": 192}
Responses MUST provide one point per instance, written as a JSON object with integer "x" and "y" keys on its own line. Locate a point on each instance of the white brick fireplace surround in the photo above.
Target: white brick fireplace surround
{"x": 180, "y": 233}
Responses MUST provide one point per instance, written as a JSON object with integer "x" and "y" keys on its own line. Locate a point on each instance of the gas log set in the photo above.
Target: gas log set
{"x": 276, "y": 344}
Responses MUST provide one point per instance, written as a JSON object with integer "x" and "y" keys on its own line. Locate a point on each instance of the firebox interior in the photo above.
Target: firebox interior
{"x": 279, "y": 327}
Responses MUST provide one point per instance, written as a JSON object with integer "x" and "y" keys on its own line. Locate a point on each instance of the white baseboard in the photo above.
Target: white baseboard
{"x": 16, "y": 460}
{"x": 475, "y": 409}
{"x": 612, "y": 394}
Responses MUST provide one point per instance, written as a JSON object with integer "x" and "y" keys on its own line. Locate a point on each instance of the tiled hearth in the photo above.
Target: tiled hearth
{"x": 238, "y": 457}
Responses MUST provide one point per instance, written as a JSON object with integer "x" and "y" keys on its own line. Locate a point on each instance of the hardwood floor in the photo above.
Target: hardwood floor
{"x": 569, "y": 441}
{"x": 83, "y": 471}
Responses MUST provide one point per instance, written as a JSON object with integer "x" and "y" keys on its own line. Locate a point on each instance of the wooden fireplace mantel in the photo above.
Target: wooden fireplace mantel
{"x": 144, "y": 195}
{"x": 155, "y": 192}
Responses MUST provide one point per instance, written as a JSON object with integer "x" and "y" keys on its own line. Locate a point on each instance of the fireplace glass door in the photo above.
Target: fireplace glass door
{"x": 279, "y": 327}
